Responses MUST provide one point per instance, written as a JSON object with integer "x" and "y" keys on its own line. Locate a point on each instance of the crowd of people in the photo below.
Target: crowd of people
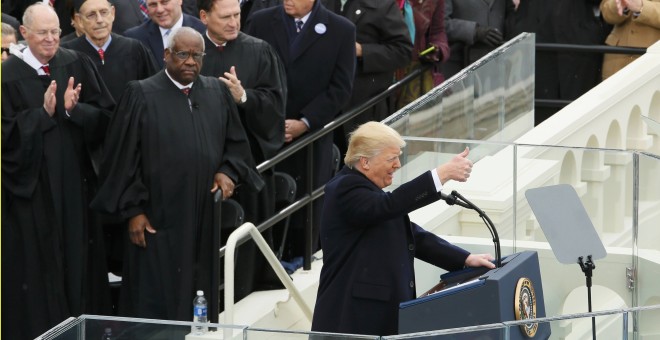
{"x": 120, "y": 118}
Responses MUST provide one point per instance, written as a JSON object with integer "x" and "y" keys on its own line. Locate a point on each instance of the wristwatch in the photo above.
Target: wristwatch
{"x": 243, "y": 98}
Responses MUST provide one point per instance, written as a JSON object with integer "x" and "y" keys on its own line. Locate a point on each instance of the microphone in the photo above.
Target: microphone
{"x": 451, "y": 200}
{"x": 458, "y": 199}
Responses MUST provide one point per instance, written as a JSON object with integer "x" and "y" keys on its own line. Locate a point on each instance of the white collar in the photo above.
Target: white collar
{"x": 305, "y": 18}
{"x": 211, "y": 40}
{"x": 179, "y": 85}
{"x": 31, "y": 60}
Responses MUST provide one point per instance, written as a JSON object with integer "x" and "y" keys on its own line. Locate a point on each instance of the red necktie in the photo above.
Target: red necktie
{"x": 185, "y": 90}
{"x": 52, "y": 3}
{"x": 46, "y": 69}
{"x": 102, "y": 55}
{"x": 143, "y": 8}
{"x": 220, "y": 48}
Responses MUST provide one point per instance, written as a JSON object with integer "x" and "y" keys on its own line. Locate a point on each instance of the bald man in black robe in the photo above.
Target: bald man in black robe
{"x": 55, "y": 109}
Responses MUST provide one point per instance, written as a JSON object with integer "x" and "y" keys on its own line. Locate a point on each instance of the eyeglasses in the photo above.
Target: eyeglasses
{"x": 94, "y": 15}
{"x": 5, "y": 49}
{"x": 44, "y": 33}
{"x": 184, "y": 55}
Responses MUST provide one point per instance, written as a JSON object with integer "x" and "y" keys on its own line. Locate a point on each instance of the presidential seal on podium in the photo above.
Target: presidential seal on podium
{"x": 525, "y": 305}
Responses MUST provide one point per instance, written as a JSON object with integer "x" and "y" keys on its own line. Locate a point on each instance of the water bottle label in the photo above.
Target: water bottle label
{"x": 199, "y": 311}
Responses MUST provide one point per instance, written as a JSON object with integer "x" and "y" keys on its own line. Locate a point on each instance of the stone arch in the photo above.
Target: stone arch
{"x": 614, "y": 140}
{"x": 568, "y": 173}
{"x": 635, "y": 131}
{"x": 654, "y": 109}
{"x": 594, "y": 173}
{"x": 590, "y": 158}
{"x": 615, "y": 186}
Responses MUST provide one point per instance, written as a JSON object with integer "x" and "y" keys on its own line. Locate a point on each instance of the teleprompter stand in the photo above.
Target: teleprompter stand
{"x": 568, "y": 229}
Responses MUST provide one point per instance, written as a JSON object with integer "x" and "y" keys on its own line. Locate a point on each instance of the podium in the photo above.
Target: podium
{"x": 477, "y": 296}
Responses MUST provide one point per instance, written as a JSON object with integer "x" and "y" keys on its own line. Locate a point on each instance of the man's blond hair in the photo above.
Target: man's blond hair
{"x": 370, "y": 139}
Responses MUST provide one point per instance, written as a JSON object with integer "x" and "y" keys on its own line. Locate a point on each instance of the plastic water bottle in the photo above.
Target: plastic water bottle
{"x": 107, "y": 335}
{"x": 199, "y": 313}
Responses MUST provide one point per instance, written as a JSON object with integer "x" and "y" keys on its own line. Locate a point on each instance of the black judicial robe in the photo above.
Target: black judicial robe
{"x": 263, "y": 77}
{"x": 53, "y": 263}
{"x": 161, "y": 155}
{"x": 124, "y": 60}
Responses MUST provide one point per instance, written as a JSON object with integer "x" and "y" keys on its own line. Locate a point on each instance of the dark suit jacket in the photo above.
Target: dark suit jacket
{"x": 127, "y": 15}
{"x": 149, "y": 34}
{"x": 386, "y": 46}
{"x": 319, "y": 64}
{"x": 368, "y": 246}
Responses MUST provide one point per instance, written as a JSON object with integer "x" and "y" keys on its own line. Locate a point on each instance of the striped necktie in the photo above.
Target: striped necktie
{"x": 299, "y": 25}
{"x": 143, "y": 9}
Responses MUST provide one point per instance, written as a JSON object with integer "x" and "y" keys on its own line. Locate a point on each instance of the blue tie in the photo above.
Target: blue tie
{"x": 299, "y": 25}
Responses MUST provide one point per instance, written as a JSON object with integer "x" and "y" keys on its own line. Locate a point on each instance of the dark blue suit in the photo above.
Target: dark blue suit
{"x": 149, "y": 34}
{"x": 320, "y": 66}
{"x": 369, "y": 245}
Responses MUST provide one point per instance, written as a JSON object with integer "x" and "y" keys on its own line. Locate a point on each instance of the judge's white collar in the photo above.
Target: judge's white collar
{"x": 31, "y": 60}
{"x": 179, "y": 85}
{"x": 211, "y": 40}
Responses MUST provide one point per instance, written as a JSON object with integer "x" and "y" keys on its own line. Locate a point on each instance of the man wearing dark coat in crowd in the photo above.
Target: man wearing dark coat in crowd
{"x": 382, "y": 46}
{"x": 55, "y": 110}
{"x": 317, "y": 48}
{"x": 256, "y": 78}
{"x": 174, "y": 140}
{"x": 164, "y": 17}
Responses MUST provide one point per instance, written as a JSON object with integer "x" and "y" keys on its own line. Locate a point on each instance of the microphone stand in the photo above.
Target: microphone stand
{"x": 587, "y": 268}
{"x": 458, "y": 199}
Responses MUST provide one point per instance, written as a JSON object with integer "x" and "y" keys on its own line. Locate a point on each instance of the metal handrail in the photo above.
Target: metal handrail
{"x": 553, "y": 47}
{"x": 339, "y": 121}
{"x": 244, "y": 232}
